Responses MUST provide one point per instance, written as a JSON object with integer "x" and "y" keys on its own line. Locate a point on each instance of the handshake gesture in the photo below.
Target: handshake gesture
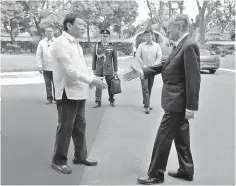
{"x": 98, "y": 83}
{"x": 134, "y": 73}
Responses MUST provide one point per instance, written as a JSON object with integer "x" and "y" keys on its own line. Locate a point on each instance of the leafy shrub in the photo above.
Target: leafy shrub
{"x": 31, "y": 47}
{"x": 126, "y": 48}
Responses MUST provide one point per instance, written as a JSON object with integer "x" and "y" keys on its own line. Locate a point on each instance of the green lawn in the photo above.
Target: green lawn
{"x": 17, "y": 63}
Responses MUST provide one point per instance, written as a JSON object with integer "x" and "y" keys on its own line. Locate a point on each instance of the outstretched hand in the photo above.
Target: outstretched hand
{"x": 98, "y": 83}
{"x": 132, "y": 74}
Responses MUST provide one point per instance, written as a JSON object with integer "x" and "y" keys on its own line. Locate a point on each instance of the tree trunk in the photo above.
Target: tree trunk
{"x": 170, "y": 8}
{"x": 38, "y": 28}
{"x": 12, "y": 33}
{"x": 202, "y": 29}
{"x": 149, "y": 7}
{"x": 88, "y": 35}
{"x": 181, "y": 10}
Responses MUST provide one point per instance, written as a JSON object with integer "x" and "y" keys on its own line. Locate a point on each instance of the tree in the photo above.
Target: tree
{"x": 124, "y": 13}
{"x": 104, "y": 15}
{"x": 180, "y": 6}
{"x": 150, "y": 11}
{"x": 222, "y": 15}
{"x": 12, "y": 14}
{"x": 57, "y": 11}
{"x": 202, "y": 11}
{"x": 36, "y": 11}
{"x": 88, "y": 12}
{"x": 54, "y": 20}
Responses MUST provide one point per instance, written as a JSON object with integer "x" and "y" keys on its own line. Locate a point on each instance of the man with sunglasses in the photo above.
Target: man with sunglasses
{"x": 105, "y": 64}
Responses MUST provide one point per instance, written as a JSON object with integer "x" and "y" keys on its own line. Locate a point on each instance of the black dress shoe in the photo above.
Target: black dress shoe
{"x": 146, "y": 110}
{"x": 49, "y": 101}
{"x": 65, "y": 169}
{"x": 181, "y": 176}
{"x": 149, "y": 107}
{"x": 97, "y": 105}
{"x": 148, "y": 180}
{"x": 112, "y": 104}
{"x": 85, "y": 162}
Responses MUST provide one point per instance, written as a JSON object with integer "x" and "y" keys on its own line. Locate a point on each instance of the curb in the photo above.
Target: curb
{"x": 228, "y": 70}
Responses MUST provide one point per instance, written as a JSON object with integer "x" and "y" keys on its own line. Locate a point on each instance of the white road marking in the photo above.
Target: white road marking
{"x": 228, "y": 70}
{"x": 24, "y": 78}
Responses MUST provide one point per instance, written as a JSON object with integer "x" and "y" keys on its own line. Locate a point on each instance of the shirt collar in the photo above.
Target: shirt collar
{"x": 180, "y": 39}
{"x": 70, "y": 37}
{"x": 147, "y": 43}
{"x": 51, "y": 39}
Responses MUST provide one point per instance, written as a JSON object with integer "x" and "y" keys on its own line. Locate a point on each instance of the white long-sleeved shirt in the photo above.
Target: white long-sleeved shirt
{"x": 70, "y": 71}
{"x": 43, "y": 54}
{"x": 149, "y": 54}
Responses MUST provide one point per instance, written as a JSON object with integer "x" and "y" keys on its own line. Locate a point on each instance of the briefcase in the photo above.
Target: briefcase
{"x": 115, "y": 85}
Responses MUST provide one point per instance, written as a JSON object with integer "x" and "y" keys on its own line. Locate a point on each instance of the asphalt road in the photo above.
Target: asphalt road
{"x": 120, "y": 138}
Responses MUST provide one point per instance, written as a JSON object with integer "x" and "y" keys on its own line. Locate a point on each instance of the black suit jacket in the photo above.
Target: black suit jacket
{"x": 181, "y": 77}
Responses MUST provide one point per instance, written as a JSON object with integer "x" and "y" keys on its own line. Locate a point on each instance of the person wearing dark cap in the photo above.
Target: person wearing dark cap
{"x": 104, "y": 64}
{"x": 148, "y": 54}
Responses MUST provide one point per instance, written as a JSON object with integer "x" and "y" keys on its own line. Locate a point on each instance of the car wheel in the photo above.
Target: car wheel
{"x": 212, "y": 71}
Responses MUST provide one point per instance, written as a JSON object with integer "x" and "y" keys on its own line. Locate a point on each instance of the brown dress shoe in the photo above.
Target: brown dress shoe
{"x": 65, "y": 169}
{"x": 86, "y": 162}
{"x": 181, "y": 176}
{"x": 149, "y": 180}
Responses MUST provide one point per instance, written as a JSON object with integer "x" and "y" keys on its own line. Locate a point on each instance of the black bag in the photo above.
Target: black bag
{"x": 115, "y": 85}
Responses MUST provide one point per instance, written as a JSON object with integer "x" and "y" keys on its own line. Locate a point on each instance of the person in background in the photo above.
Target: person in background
{"x": 148, "y": 54}
{"x": 45, "y": 63}
{"x": 104, "y": 64}
{"x": 72, "y": 81}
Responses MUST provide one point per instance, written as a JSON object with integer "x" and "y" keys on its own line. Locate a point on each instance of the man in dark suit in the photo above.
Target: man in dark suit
{"x": 104, "y": 64}
{"x": 180, "y": 95}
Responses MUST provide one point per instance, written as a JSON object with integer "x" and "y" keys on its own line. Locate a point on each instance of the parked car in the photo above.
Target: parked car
{"x": 209, "y": 61}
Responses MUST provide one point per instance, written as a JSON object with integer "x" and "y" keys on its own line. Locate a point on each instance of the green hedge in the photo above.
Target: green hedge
{"x": 25, "y": 46}
{"x": 31, "y": 47}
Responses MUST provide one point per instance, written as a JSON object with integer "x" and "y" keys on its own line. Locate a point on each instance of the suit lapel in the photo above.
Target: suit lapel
{"x": 174, "y": 52}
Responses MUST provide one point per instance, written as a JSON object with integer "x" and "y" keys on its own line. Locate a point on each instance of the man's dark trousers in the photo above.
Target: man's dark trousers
{"x": 98, "y": 92}
{"x": 71, "y": 119}
{"x": 147, "y": 84}
{"x": 175, "y": 127}
{"x": 48, "y": 78}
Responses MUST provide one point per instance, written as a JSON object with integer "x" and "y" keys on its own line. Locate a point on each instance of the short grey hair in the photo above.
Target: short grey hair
{"x": 181, "y": 20}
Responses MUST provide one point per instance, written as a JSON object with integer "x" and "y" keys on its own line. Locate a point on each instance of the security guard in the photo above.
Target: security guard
{"x": 104, "y": 64}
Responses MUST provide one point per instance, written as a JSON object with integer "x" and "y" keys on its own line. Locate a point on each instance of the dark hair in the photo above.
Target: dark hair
{"x": 148, "y": 30}
{"x": 70, "y": 18}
